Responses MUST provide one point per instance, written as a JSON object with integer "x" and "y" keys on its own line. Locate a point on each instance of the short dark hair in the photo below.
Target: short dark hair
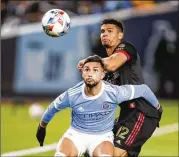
{"x": 94, "y": 58}
{"x": 114, "y": 22}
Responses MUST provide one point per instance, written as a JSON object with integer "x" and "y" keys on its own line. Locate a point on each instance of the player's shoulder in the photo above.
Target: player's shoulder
{"x": 109, "y": 87}
{"x": 76, "y": 89}
{"x": 113, "y": 88}
{"x": 126, "y": 45}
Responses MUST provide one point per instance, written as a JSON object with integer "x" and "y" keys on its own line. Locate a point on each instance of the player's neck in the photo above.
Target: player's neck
{"x": 110, "y": 50}
{"x": 94, "y": 90}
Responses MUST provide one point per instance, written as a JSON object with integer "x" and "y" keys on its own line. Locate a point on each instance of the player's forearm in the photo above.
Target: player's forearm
{"x": 145, "y": 92}
{"x": 114, "y": 62}
{"x": 49, "y": 114}
{"x": 108, "y": 64}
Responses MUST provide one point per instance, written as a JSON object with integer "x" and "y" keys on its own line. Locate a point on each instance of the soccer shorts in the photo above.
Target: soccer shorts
{"x": 131, "y": 134}
{"x": 86, "y": 142}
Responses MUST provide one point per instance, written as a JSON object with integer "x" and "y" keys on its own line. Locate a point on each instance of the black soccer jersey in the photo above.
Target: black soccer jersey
{"x": 130, "y": 73}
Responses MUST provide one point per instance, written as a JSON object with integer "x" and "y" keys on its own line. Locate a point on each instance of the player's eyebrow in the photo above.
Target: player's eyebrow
{"x": 109, "y": 28}
{"x": 92, "y": 67}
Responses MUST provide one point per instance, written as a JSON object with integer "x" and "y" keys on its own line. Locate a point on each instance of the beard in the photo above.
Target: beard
{"x": 91, "y": 83}
{"x": 106, "y": 46}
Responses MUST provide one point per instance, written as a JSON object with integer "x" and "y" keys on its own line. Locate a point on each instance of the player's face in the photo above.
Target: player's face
{"x": 92, "y": 73}
{"x": 110, "y": 35}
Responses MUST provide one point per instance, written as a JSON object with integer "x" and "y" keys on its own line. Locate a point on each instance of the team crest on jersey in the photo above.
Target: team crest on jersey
{"x": 106, "y": 106}
{"x": 132, "y": 105}
{"x": 120, "y": 47}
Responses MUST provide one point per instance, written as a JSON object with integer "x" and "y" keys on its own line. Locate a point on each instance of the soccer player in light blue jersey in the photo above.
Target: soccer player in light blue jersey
{"x": 93, "y": 104}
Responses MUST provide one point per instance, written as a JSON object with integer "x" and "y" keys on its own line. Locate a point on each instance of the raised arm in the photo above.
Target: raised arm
{"x": 129, "y": 92}
{"x": 111, "y": 63}
{"x": 114, "y": 61}
{"x": 124, "y": 52}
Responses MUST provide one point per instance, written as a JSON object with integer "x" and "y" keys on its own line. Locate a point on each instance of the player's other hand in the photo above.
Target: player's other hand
{"x": 80, "y": 64}
{"x": 41, "y": 132}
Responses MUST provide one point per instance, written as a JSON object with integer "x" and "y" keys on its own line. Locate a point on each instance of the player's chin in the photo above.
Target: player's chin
{"x": 106, "y": 45}
{"x": 90, "y": 84}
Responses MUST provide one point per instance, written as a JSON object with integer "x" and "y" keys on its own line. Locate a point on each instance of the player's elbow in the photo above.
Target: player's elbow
{"x": 110, "y": 67}
{"x": 114, "y": 67}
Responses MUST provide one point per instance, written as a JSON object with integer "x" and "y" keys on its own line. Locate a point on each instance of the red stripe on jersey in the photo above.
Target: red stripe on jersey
{"x": 135, "y": 130}
{"x": 138, "y": 130}
{"x": 124, "y": 52}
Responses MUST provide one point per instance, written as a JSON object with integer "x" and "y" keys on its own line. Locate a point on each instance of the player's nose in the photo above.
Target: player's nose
{"x": 104, "y": 35}
{"x": 90, "y": 74}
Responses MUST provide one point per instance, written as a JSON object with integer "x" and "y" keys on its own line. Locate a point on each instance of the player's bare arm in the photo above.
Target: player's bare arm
{"x": 114, "y": 61}
{"x": 111, "y": 63}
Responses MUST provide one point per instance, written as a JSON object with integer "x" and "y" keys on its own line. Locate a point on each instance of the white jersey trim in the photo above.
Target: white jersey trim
{"x": 78, "y": 91}
{"x": 55, "y": 105}
{"x": 92, "y": 97}
{"x": 133, "y": 90}
{"x": 74, "y": 91}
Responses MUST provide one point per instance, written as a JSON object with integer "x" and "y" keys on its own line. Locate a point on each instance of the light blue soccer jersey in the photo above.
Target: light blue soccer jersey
{"x": 96, "y": 114}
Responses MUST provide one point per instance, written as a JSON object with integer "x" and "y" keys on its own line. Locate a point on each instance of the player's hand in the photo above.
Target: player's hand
{"x": 41, "y": 132}
{"x": 80, "y": 64}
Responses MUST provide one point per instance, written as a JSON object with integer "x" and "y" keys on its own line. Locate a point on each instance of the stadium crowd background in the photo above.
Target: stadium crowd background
{"x": 23, "y": 12}
{"x": 19, "y": 13}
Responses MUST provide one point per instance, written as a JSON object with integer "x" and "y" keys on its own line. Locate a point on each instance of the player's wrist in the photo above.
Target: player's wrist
{"x": 43, "y": 124}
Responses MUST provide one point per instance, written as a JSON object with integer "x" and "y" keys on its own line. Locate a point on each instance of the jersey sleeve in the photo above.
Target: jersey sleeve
{"x": 129, "y": 92}
{"x": 128, "y": 50}
{"x": 60, "y": 103}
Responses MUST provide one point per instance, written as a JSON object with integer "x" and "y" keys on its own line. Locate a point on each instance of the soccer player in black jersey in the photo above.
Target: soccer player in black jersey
{"x": 137, "y": 120}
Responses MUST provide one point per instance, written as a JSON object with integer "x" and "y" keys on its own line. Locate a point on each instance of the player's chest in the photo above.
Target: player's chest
{"x": 93, "y": 105}
{"x": 118, "y": 75}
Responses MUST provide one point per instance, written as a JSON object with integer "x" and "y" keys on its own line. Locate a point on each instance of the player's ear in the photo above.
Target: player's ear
{"x": 103, "y": 75}
{"x": 82, "y": 72}
{"x": 120, "y": 35}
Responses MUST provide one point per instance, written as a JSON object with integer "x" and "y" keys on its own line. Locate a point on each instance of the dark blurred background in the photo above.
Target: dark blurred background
{"x": 34, "y": 65}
